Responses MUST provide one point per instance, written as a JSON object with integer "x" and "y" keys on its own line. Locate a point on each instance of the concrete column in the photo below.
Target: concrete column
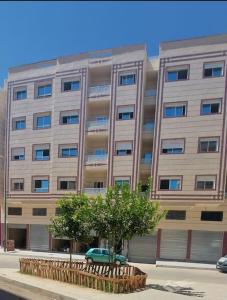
{"x": 189, "y": 245}
{"x": 158, "y": 243}
{"x": 224, "y": 245}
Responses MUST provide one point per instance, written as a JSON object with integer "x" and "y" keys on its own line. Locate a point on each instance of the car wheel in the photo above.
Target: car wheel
{"x": 89, "y": 260}
{"x": 117, "y": 262}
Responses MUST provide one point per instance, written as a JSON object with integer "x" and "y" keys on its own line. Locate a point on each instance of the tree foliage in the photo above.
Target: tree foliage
{"x": 124, "y": 213}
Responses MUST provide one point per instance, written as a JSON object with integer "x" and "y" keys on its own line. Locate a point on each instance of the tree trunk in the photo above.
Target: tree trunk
{"x": 70, "y": 253}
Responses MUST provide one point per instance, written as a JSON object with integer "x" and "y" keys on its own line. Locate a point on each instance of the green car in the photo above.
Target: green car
{"x": 102, "y": 255}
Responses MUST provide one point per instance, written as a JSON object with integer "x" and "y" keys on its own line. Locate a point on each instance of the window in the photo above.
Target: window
{"x": 125, "y": 112}
{"x": 69, "y": 117}
{"x": 213, "y": 69}
{"x": 67, "y": 183}
{"x": 41, "y": 152}
{"x": 177, "y": 73}
{"x": 40, "y": 185}
{"x": 210, "y": 107}
{"x": 20, "y": 94}
{"x": 17, "y": 184}
{"x": 121, "y": 181}
{"x": 44, "y": 90}
{"x": 174, "y": 110}
{"x": 18, "y": 153}
{"x": 123, "y": 148}
{"x": 57, "y": 211}
{"x": 208, "y": 145}
{"x": 42, "y": 120}
{"x": 172, "y": 146}
{"x": 205, "y": 182}
{"x": 71, "y": 85}
{"x": 14, "y": 211}
{"x": 98, "y": 184}
{"x": 19, "y": 123}
{"x": 39, "y": 212}
{"x": 66, "y": 151}
{"x": 127, "y": 79}
{"x": 211, "y": 216}
{"x": 176, "y": 215}
{"x": 171, "y": 184}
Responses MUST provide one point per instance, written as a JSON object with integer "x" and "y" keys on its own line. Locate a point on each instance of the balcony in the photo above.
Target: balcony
{"x": 148, "y": 127}
{"x": 98, "y": 125}
{"x": 99, "y": 91}
{"x": 96, "y": 159}
{"x": 95, "y": 191}
{"x": 150, "y": 96}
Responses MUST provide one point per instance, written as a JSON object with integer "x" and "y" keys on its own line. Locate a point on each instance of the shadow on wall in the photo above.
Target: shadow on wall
{"x": 186, "y": 291}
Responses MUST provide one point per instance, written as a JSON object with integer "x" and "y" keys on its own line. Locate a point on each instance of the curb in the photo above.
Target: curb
{"x": 35, "y": 290}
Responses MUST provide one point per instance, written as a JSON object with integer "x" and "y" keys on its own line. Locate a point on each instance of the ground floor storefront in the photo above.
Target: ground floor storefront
{"x": 166, "y": 244}
{"x": 182, "y": 245}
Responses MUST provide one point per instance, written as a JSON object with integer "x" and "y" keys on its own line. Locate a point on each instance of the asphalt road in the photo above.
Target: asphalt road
{"x": 163, "y": 283}
{"x": 203, "y": 276}
{"x": 8, "y": 296}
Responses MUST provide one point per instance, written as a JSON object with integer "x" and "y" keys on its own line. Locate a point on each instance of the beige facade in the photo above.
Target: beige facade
{"x": 81, "y": 123}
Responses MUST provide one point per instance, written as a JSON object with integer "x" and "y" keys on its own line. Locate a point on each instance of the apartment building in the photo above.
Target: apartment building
{"x": 76, "y": 123}
{"x": 2, "y": 149}
{"x": 85, "y": 122}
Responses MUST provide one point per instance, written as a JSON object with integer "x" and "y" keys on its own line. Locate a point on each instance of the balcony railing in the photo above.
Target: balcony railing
{"x": 97, "y": 125}
{"x": 148, "y": 127}
{"x": 150, "y": 93}
{"x": 99, "y": 90}
{"x": 146, "y": 161}
{"x": 95, "y": 191}
{"x": 96, "y": 159}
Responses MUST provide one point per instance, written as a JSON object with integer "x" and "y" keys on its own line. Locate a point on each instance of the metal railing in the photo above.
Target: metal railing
{"x": 150, "y": 93}
{"x": 97, "y": 125}
{"x": 95, "y": 191}
{"x": 94, "y": 158}
{"x": 146, "y": 161}
{"x": 148, "y": 127}
{"x": 97, "y": 90}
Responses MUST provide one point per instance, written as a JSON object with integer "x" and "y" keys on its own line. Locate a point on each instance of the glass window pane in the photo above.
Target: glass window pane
{"x": 45, "y": 90}
{"x": 179, "y": 111}
{"x": 213, "y": 146}
{"x": 209, "y": 185}
{"x": 215, "y": 108}
{"x": 217, "y": 72}
{"x": 169, "y": 112}
{"x": 21, "y": 95}
{"x": 75, "y": 86}
{"x": 200, "y": 185}
{"x": 174, "y": 184}
{"x": 208, "y": 72}
{"x": 182, "y": 74}
{"x": 206, "y": 109}
{"x": 203, "y": 146}
{"x": 172, "y": 75}
{"x": 164, "y": 184}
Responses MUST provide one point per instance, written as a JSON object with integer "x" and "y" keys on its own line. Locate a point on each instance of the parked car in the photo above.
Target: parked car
{"x": 222, "y": 264}
{"x": 102, "y": 255}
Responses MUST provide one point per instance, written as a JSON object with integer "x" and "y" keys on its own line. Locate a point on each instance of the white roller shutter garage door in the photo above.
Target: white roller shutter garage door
{"x": 174, "y": 244}
{"x": 143, "y": 249}
{"x": 206, "y": 246}
{"x": 39, "y": 237}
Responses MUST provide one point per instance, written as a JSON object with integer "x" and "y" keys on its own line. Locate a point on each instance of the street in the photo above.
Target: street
{"x": 162, "y": 284}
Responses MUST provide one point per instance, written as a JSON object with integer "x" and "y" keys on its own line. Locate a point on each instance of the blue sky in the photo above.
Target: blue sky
{"x": 33, "y": 31}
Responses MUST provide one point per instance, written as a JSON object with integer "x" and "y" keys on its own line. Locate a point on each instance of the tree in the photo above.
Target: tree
{"x": 74, "y": 219}
{"x": 124, "y": 213}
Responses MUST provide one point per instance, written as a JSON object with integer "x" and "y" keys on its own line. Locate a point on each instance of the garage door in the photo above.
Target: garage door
{"x": 174, "y": 244}
{"x": 206, "y": 246}
{"x": 39, "y": 237}
{"x": 143, "y": 249}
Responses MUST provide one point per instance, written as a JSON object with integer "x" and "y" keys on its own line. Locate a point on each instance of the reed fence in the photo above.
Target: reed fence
{"x": 104, "y": 277}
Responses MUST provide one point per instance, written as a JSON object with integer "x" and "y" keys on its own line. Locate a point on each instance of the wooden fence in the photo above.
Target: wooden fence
{"x": 104, "y": 277}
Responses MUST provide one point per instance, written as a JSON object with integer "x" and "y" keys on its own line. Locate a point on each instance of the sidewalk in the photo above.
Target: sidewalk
{"x": 185, "y": 265}
{"x": 40, "y": 254}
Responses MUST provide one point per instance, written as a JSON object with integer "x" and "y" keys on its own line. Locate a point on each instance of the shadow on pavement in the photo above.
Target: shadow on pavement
{"x": 186, "y": 291}
{"x": 8, "y": 296}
